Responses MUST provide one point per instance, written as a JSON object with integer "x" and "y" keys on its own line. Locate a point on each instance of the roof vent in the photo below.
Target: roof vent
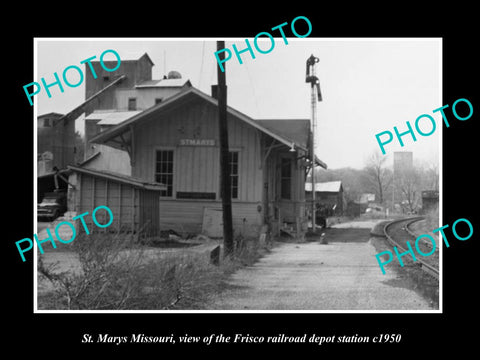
{"x": 174, "y": 75}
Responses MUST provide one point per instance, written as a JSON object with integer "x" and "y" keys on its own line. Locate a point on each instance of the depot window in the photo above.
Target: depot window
{"x": 233, "y": 171}
{"x": 164, "y": 171}
{"x": 233, "y": 164}
{"x": 132, "y": 104}
{"x": 286, "y": 178}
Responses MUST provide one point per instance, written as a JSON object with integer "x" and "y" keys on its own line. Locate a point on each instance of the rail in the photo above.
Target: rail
{"x": 428, "y": 268}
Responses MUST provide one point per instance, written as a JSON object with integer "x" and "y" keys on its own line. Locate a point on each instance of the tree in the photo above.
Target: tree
{"x": 408, "y": 183}
{"x": 431, "y": 176}
{"x": 377, "y": 175}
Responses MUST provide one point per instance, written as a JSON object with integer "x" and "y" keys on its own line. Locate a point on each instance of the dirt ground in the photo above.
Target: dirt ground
{"x": 340, "y": 275}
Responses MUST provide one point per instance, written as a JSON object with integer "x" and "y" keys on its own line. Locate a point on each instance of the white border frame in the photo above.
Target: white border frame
{"x": 35, "y": 284}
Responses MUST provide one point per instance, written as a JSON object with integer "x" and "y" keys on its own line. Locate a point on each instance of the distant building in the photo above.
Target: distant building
{"x": 366, "y": 198}
{"x": 429, "y": 200}
{"x": 329, "y": 196}
{"x": 402, "y": 161}
{"x": 55, "y": 142}
{"x": 136, "y": 93}
{"x": 55, "y": 151}
{"x": 360, "y": 205}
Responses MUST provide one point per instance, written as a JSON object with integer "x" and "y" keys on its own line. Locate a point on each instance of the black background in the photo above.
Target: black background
{"x": 47, "y": 334}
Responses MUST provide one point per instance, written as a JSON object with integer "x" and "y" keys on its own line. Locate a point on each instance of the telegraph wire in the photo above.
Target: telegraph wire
{"x": 253, "y": 91}
{"x": 201, "y": 65}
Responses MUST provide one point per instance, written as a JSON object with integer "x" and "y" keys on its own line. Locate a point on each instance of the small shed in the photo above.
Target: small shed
{"x": 429, "y": 200}
{"x": 134, "y": 203}
{"x": 329, "y": 196}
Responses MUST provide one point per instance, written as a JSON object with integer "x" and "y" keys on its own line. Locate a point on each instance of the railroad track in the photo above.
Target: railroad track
{"x": 398, "y": 233}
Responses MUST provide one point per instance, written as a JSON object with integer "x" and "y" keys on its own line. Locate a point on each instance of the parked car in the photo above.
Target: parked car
{"x": 52, "y": 206}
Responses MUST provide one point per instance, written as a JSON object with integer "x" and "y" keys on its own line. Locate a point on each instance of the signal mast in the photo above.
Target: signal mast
{"x": 316, "y": 95}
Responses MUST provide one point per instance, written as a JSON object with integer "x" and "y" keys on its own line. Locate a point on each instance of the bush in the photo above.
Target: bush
{"x": 104, "y": 280}
{"x": 117, "y": 274}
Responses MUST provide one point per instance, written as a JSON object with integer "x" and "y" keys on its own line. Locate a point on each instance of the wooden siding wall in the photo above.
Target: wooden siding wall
{"x": 196, "y": 168}
{"x": 145, "y": 96}
{"x": 187, "y": 216}
{"x": 149, "y": 213}
{"x": 123, "y": 200}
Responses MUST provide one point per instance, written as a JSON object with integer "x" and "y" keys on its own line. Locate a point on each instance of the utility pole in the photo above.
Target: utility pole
{"x": 316, "y": 95}
{"x": 225, "y": 188}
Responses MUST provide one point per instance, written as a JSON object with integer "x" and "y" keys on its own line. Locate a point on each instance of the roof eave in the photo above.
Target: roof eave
{"x": 320, "y": 163}
{"x": 124, "y": 179}
{"x": 103, "y": 137}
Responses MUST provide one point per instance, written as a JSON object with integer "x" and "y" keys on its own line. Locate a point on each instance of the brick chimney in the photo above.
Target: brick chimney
{"x": 215, "y": 91}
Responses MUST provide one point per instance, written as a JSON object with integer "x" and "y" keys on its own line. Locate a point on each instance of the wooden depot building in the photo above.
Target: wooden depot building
{"x": 175, "y": 145}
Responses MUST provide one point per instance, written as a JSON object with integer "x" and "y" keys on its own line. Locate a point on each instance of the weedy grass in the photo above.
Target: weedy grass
{"x": 115, "y": 273}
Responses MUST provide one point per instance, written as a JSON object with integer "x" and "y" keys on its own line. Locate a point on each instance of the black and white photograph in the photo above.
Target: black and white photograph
{"x": 138, "y": 133}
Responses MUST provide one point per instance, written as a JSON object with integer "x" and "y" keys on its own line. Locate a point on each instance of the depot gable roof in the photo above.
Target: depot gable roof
{"x": 292, "y": 133}
{"x": 178, "y": 99}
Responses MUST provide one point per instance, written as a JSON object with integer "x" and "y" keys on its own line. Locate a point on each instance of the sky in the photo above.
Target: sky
{"x": 368, "y": 85}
